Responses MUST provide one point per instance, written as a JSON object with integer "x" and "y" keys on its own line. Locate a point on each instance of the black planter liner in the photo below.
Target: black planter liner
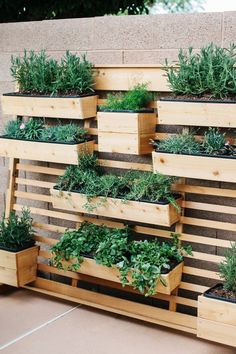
{"x": 162, "y": 202}
{"x": 144, "y": 110}
{"x": 231, "y": 157}
{"x": 48, "y": 142}
{"x": 18, "y": 249}
{"x": 18, "y": 94}
{"x": 173, "y": 263}
{"x": 209, "y": 295}
{"x": 189, "y": 100}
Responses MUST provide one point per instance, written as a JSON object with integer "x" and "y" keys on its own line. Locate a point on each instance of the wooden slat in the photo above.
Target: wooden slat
{"x": 210, "y": 223}
{"x": 33, "y": 196}
{"x": 40, "y": 169}
{"x": 116, "y": 305}
{"x": 35, "y": 183}
{"x": 217, "y": 208}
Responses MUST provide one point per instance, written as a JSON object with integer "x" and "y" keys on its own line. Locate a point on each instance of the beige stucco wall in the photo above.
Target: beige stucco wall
{"x": 111, "y": 40}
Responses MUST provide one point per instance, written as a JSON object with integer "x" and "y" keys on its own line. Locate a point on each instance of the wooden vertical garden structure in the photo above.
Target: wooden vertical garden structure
{"x": 208, "y": 223}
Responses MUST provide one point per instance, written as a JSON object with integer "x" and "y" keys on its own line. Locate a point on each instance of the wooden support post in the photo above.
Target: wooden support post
{"x": 13, "y": 174}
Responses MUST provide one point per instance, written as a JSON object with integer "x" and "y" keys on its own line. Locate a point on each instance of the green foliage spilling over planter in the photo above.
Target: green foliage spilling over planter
{"x": 36, "y": 73}
{"x": 214, "y": 143}
{"x": 211, "y": 72}
{"x": 145, "y": 260}
{"x": 133, "y": 100}
{"x": 228, "y": 269}
{"x": 89, "y": 179}
{"x": 16, "y": 232}
{"x": 35, "y": 129}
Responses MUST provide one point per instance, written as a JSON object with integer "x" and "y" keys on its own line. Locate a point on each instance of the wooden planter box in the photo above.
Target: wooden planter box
{"x": 18, "y": 268}
{"x": 91, "y": 268}
{"x": 44, "y": 151}
{"x": 126, "y": 133}
{"x": 216, "y": 320}
{"x": 197, "y": 113}
{"x": 150, "y": 213}
{"x": 46, "y": 106}
{"x": 191, "y": 166}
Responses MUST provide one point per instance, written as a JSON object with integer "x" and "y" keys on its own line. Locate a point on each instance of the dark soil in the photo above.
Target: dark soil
{"x": 204, "y": 98}
{"x": 219, "y": 292}
{"x": 58, "y": 94}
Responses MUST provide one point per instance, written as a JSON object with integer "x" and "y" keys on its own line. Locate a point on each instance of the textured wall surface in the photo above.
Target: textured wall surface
{"x": 111, "y": 40}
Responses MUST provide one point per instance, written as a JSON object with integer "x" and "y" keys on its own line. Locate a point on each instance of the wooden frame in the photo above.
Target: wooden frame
{"x": 194, "y": 113}
{"x": 190, "y": 166}
{"x": 18, "y": 268}
{"x": 216, "y": 320}
{"x": 150, "y": 213}
{"x": 126, "y": 133}
{"x": 91, "y": 268}
{"x": 52, "y": 107}
{"x": 44, "y": 151}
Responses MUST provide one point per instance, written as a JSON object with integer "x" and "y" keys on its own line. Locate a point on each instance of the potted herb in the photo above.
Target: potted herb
{"x": 48, "y": 88}
{"x": 18, "y": 253}
{"x": 183, "y": 155}
{"x": 59, "y": 143}
{"x": 204, "y": 89}
{"x": 217, "y": 306}
{"x": 112, "y": 254}
{"x": 125, "y": 124}
{"x": 137, "y": 196}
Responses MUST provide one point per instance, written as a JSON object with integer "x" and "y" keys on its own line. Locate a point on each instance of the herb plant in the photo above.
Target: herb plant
{"x": 134, "y": 99}
{"x": 179, "y": 144}
{"x": 16, "y": 232}
{"x": 93, "y": 182}
{"x": 140, "y": 263}
{"x": 214, "y": 141}
{"x": 228, "y": 269}
{"x": 39, "y": 74}
{"x": 211, "y": 72}
{"x": 35, "y": 129}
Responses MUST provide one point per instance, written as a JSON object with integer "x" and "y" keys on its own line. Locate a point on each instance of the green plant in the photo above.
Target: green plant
{"x": 34, "y": 129}
{"x": 134, "y": 99}
{"x": 16, "y": 232}
{"x": 227, "y": 268}
{"x": 132, "y": 185}
{"x": 179, "y": 144}
{"x": 214, "y": 141}
{"x": 39, "y": 74}
{"x": 210, "y": 72}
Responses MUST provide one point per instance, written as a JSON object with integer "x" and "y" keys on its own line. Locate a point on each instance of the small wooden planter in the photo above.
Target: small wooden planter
{"x": 46, "y": 106}
{"x": 190, "y": 166}
{"x": 18, "y": 268}
{"x": 91, "y": 268}
{"x": 126, "y": 133}
{"x": 197, "y": 113}
{"x": 216, "y": 320}
{"x": 44, "y": 151}
{"x": 150, "y": 213}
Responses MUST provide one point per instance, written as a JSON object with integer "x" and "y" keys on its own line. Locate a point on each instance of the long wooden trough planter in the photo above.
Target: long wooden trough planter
{"x": 150, "y": 213}
{"x": 126, "y": 132}
{"x": 44, "y": 151}
{"x": 91, "y": 268}
{"x": 216, "y": 320}
{"x": 197, "y": 113}
{"x": 191, "y": 166}
{"x": 47, "y": 106}
{"x": 18, "y": 268}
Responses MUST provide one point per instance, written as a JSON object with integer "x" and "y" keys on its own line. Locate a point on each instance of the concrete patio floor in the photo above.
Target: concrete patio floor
{"x": 32, "y": 323}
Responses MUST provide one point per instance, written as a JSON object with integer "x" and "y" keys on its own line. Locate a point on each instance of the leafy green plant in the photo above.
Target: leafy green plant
{"x": 214, "y": 141}
{"x": 140, "y": 263}
{"x": 134, "y": 99}
{"x": 39, "y": 74}
{"x": 16, "y": 232}
{"x": 227, "y": 268}
{"x": 34, "y": 129}
{"x": 210, "y": 72}
{"x": 179, "y": 144}
{"x": 132, "y": 185}
{"x": 149, "y": 260}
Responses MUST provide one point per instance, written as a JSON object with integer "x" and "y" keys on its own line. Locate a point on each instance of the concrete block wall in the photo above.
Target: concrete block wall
{"x": 111, "y": 40}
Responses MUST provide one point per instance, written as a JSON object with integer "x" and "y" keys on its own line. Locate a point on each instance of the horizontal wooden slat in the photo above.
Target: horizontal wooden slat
{"x": 34, "y": 183}
{"x": 201, "y": 273}
{"x": 217, "y": 208}
{"x": 33, "y": 196}
{"x": 39, "y": 169}
{"x": 209, "y": 223}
